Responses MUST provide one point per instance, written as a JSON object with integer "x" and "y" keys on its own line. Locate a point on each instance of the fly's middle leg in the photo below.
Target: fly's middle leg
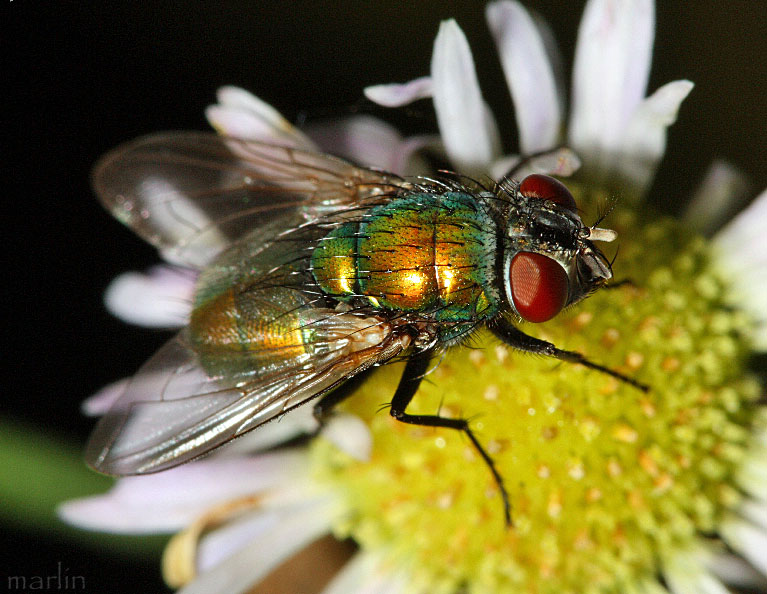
{"x": 411, "y": 378}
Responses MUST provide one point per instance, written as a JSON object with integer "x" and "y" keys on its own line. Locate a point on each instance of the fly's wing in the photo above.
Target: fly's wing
{"x": 192, "y": 194}
{"x": 174, "y": 411}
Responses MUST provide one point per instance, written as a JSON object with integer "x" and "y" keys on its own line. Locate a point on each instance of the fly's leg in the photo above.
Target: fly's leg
{"x": 514, "y": 337}
{"x": 411, "y": 378}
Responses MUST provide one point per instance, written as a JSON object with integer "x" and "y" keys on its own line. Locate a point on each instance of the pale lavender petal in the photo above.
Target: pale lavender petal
{"x": 466, "y": 124}
{"x": 411, "y": 163}
{"x": 528, "y": 74}
{"x": 644, "y": 139}
{"x": 374, "y": 143}
{"x": 169, "y": 500}
{"x": 397, "y": 95}
{"x": 243, "y": 115}
{"x": 232, "y": 96}
{"x": 349, "y": 434}
{"x": 724, "y": 189}
{"x": 102, "y": 401}
{"x": 363, "y": 139}
{"x": 296, "y": 528}
{"x": 504, "y": 165}
{"x": 159, "y": 298}
{"x": 742, "y": 252}
{"x": 561, "y": 162}
{"x": 612, "y": 63}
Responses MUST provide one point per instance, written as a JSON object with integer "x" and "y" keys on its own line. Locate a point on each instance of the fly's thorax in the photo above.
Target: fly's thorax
{"x": 432, "y": 253}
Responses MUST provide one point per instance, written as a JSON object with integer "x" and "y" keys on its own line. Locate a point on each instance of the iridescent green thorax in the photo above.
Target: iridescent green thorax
{"x": 427, "y": 253}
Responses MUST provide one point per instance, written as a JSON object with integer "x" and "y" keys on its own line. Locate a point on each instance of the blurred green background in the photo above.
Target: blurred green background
{"x": 82, "y": 77}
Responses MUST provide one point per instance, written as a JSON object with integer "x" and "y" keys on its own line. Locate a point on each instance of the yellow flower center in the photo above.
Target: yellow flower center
{"x": 604, "y": 480}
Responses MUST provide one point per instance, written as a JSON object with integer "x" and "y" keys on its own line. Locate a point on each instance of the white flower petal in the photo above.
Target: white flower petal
{"x": 528, "y": 74}
{"x": 243, "y": 115}
{"x": 685, "y": 572}
{"x": 411, "y": 163}
{"x": 466, "y": 124}
{"x": 294, "y": 530}
{"x": 747, "y": 539}
{"x": 742, "y": 251}
{"x": 349, "y": 434}
{"x": 556, "y": 63}
{"x": 232, "y": 96}
{"x": 755, "y": 512}
{"x": 102, "y": 401}
{"x": 724, "y": 187}
{"x": 223, "y": 542}
{"x": 612, "y": 63}
{"x": 504, "y": 165}
{"x": 159, "y": 298}
{"x": 752, "y": 477}
{"x": 561, "y": 162}
{"x": 366, "y": 573}
{"x": 752, "y": 473}
{"x": 644, "y": 139}
{"x": 169, "y": 500}
{"x": 397, "y": 95}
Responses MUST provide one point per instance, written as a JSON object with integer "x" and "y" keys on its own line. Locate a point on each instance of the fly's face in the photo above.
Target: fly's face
{"x": 550, "y": 260}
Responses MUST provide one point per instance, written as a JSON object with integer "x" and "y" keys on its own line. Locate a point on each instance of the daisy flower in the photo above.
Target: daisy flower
{"x": 612, "y": 490}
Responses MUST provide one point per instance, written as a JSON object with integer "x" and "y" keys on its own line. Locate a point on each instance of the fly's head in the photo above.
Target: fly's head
{"x": 550, "y": 260}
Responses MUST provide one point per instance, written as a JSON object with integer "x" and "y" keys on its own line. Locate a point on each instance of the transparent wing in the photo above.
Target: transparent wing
{"x": 174, "y": 411}
{"x": 192, "y": 194}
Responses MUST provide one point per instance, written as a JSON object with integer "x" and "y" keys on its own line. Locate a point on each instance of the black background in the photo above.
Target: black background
{"x": 81, "y": 77}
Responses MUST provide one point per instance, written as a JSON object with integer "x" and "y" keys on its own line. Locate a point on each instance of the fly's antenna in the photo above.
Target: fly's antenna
{"x": 610, "y": 207}
{"x": 598, "y": 234}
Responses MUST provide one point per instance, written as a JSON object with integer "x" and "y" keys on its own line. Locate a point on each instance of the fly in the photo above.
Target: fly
{"x": 313, "y": 270}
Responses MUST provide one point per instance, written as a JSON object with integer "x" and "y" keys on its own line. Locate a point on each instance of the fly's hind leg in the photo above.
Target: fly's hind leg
{"x": 411, "y": 378}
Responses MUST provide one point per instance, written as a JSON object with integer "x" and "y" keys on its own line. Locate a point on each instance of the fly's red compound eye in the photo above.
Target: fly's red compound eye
{"x": 546, "y": 187}
{"x": 538, "y": 286}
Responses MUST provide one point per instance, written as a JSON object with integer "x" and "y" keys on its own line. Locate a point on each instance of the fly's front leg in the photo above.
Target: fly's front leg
{"x": 514, "y": 337}
{"x": 411, "y": 378}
